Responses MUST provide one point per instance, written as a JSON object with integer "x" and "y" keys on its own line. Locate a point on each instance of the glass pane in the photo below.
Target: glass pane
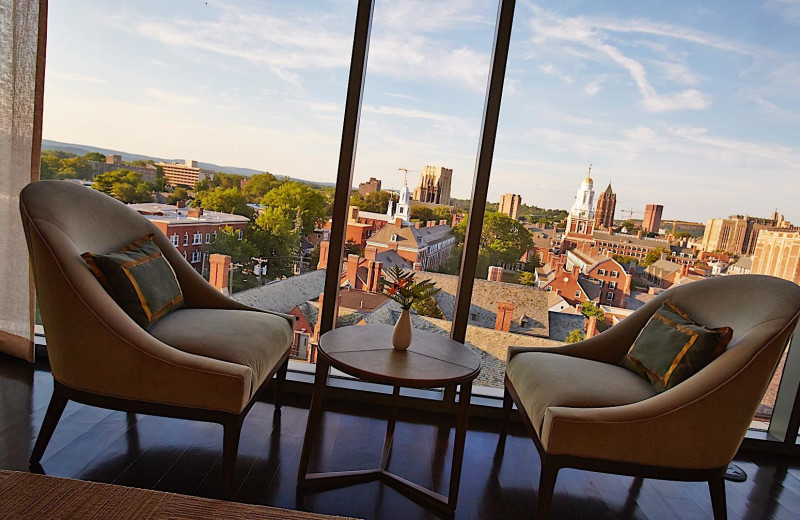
{"x": 220, "y": 122}
{"x": 681, "y": 115}
{"x": 421, "y": 112}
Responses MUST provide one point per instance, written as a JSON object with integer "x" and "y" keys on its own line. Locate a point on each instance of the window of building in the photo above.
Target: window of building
{"x": 577, "y": 294}
{"x": 241, "y": 234}
{"x": 186, "y": 239}
{"x": 601, "y": 272}
{"x": 612, "y": 285}
{"x": 610, "y": 296}
{"x": 197, "y": 238}
{"x": 174, "y": 239}
{"x": 215, "y": 236}
{"x": 196, "y": 256}
{"x": 208, "y": 238}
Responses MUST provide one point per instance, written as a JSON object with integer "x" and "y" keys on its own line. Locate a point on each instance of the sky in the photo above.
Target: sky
{"x": 695, "y": 107}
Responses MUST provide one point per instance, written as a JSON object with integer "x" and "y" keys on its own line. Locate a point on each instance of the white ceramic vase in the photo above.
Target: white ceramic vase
{"x": 401, "y": 337}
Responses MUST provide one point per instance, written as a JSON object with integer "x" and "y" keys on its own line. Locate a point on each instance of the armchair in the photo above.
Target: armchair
{"x": 207, "y": 361}
{"x": 584, "y": 411}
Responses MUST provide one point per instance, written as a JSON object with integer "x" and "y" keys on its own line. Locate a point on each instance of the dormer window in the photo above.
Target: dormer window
{"x": 394, "y": 238}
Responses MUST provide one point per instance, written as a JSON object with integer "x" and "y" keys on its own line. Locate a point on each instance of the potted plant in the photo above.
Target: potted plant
{"x": 402, "y": 288}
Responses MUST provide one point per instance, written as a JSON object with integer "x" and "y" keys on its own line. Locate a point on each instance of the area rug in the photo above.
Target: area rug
{"x": 28, "y": 495}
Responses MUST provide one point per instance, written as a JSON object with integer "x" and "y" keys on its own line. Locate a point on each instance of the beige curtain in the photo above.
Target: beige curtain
{"x": 22, "y": 45}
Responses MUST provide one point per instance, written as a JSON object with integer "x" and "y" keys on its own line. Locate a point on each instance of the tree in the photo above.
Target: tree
{"x": 628, "y": 224}
{"x": 590, "y": 309}
{"x": 653, "y": 256}
{"x": 622, "y": 259}
{"x": 526, "y": 278}
{"x": 95, "y": 156}
{"x": 226, "y": 200}
{"x": 313, "y": 257}
{"x": 293, "y": 198}
{"x": 376, "y": 202}
{"x": 428, "y": 307}
{"x": 177, "y": 195}
{"x": 575, "y": 336}
{"x": 505, "y": 239}
{"x": 228, "y": 243}
{"x": 259, "y": 185}
{"x": 421, "y": 213}
{"x": 124, "y": 185}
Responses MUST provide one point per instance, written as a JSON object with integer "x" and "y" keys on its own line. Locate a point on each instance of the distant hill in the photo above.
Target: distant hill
{"x": 83, "y": 149}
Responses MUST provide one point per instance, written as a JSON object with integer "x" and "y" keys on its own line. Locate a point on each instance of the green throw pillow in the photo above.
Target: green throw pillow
{"x": 139, "y": 279}
{"x": 672, "y": 347}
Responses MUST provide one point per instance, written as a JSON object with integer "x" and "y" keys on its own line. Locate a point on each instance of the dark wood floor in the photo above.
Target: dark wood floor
{"x": 184, "y": 457}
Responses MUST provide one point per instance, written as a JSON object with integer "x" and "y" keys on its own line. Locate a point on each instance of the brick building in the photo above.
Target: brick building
{"x": 371, "y": 186}
{"x": 606, "y": 206}
{"x": 149, "y": 172}
{"x": 738, "y": 234}
{"x": 191, "y": 229}
{"x": 652, "y": 218}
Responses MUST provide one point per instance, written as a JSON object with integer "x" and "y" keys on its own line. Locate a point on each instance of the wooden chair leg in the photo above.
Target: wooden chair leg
{"x": 508, "y": 403}
{"x": 547, "y": 484}
{"x": 279, "y": 384}
{"x": 54, "y": 410}
{"x": 230, "y": 449}
{"x": 716, "y": 486}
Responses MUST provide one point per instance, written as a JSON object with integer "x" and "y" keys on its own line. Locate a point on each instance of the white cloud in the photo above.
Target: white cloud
{"x": 549, "y": 69}
{"x": 548, "y": 26}
{"x": 678, "y": 72}
{"x": 774, "y": 110}
{"x": 172, "y": 98}
{"x": 80, "y": 78}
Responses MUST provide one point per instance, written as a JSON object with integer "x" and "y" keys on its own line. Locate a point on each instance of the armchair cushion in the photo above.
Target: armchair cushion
{"x": 543, "y": 380}
{"x": 254, "y": 339}
{"x": 139, "y": 279}
{"x": 672, "y": 347}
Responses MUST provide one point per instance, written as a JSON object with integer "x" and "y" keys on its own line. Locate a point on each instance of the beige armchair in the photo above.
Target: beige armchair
{"x": 208, "y": 361}
{"x": 584, "y": 411}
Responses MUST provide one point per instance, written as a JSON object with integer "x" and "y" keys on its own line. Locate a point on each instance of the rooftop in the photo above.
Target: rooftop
{"x": 173, "y": 215}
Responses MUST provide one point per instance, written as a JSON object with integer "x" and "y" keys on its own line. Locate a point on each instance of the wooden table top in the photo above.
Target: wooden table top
{"x": 432, "y": 359}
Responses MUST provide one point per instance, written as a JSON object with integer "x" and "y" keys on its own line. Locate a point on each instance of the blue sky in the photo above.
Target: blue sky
{"x": 696, "y": 107}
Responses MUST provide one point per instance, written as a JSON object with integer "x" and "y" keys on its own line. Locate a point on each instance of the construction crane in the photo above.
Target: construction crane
{"x": 631, "y": 212}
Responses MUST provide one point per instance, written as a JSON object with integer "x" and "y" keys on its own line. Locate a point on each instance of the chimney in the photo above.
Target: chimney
{"x": 371, "y": 252}
{"x": 219, "y": 271}
{"x": 417, "y": 225}
{"x": 591, "y": 327}
{"x": 505, "y": 310}
{"x": 639, "y": 234}
{"x": 180, "y": 204}
{"x": 495, "y": 273}
{"x": 579, "y": 308}
{"x": 442, "y": 222}
{"x": 352, "y": 269}
{"x": 370, "y": 276}
{"x": 417, "y": 266}
{"x": 430, "y": 223}
{"x": 398, "y": 222}
{"x": 315, "y": 336}
{"x": 664, "y": 256}
{"x": 323, "y": 254}
{"x": 455, "y": 220}
{"x": 195, "y": 212}
{"x": 353, "y": 214}
{"x": 376, "y": 280}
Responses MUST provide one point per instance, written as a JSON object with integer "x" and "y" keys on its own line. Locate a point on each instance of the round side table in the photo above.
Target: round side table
{"x": 366, "y": 352}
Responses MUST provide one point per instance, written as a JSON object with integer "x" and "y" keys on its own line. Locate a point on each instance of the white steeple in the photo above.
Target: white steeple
{"x": 404, "y": 205}
{"x": 583, "y": 207}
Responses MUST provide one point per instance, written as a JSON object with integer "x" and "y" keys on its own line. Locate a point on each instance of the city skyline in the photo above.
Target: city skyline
{"x": 702, "y": 97}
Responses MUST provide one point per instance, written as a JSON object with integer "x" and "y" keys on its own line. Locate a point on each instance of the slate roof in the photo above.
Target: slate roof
{"x": 410, "y": 237}
{"x": 663, "y": 268}
{"x": 745, "y": 262}
{"x": 562, "y": 323}
{"x": 637, "y": 299}
{"x": 284, "y": 295}
{"x": 529, "y": 302}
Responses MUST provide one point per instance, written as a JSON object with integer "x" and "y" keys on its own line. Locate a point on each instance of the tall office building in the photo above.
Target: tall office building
{"x": 606, "y": 205}
{"x": 738, "y": 234}
{"x": 652, "y": 218}
{"x": 434, "y": 185}
{"x": 510, "y": 203}
{"x": 371, "y": 186}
